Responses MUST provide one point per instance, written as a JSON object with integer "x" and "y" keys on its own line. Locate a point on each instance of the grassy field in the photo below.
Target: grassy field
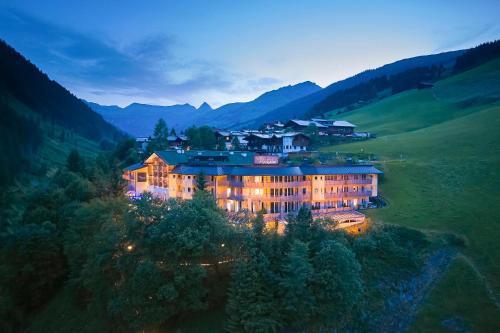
{"x": 440, "y": 151}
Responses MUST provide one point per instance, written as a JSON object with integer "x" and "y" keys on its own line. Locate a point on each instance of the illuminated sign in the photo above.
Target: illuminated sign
{"x": 266, "y": 159}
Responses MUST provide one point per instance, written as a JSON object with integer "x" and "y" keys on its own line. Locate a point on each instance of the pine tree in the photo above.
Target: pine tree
{"x": 160, "y": 137}
{"x": 298, "y": 302}
{"x": 252, "y": 305}
{"x": 299, "y": 227}
{"x": 337, "y": 283}
{"x": 75, "y": 162}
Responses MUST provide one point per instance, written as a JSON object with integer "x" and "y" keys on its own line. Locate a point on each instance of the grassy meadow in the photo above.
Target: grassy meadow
{"x": 440, "y": 151}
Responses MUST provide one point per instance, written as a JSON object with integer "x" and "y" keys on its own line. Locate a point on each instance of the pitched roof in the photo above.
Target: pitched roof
{"x": 342, "y": 123}
{"x": 267, "y": 170}
{"x": 197, "y": 169}
{"x": 175, "y": 157}
{"x": 306, "y": 123}
{"x": 339, "y": 169}
{"x": 135, "y": 166}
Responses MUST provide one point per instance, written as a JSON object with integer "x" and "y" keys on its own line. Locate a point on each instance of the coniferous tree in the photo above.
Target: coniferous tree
{"x": 159, "y": 141}
{"x": 299, "y": 227}
{"x": 298, "y": 303}
{"x": 337, "y": 283}
{"x": 252, "y": 303}
{"x": 75, "y": 163}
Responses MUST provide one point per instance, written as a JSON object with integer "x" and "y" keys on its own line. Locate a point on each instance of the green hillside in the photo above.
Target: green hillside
{"x": 440, "y": 150}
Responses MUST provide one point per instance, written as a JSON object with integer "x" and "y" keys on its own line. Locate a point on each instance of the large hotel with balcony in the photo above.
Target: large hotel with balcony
{"x": 244, "y": 181}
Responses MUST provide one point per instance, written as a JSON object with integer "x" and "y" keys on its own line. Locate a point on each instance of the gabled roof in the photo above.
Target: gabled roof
{"x": 342, "y": 123}
{"x": 276, "y": 135}
{"x": 175, "y": 137}
{"x": 174, "y": 157}
{"x": 197, "y": 169}
{"x": 306, "y": 123}
{"x": 133, "y": 167}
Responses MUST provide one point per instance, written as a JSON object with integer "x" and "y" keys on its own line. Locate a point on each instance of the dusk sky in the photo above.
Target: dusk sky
{"x": 168, "y": 52}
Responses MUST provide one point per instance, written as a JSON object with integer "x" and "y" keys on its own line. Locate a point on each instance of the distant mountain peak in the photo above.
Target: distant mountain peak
{"x": 205, "y": 107}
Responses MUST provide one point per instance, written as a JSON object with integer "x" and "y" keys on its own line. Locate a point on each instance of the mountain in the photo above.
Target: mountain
{"x": 205, "y": 107}
{"x": 236, "y": 115}
{"x": 41, "y": 120}
{"x": 301, "y": 106}
{"x": 139, "y": 119}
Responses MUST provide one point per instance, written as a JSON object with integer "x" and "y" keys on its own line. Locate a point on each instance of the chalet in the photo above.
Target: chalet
{"x": 178, "y": 141}
{"x": 227, "y": 139}
{"x": 324, "y": 126}
{"x": 284, "y": 143}
{"x": 244, "y": 181}
{"x": 301, "y": 125}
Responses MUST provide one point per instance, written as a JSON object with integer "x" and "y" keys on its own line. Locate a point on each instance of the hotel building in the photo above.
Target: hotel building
{"x": 244, "y": 181}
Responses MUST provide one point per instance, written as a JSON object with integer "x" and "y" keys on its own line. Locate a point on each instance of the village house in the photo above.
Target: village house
{"x": 278, "y": 143}
{"x": 245, "y": 181}
{"x": 177, "y": 141}
{"x": 324, "y": 126}
{"x": 229, "y": 140}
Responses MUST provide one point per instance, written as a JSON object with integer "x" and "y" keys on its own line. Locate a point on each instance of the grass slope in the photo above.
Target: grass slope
{"x": 53, "y": 151}
{"x": 440, "y": 150}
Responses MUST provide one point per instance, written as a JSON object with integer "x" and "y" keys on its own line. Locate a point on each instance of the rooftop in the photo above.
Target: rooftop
{"x": 279, "y": 170}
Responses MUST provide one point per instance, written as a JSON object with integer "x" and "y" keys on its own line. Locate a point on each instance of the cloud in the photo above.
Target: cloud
{"x": 145, "y": 70}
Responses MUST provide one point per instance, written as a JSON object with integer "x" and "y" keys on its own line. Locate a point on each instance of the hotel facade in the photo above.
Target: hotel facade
{"x": 244, "y": 181}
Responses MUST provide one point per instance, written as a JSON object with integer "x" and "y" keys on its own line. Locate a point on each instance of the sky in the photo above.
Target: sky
{"x": 174, "y": 52}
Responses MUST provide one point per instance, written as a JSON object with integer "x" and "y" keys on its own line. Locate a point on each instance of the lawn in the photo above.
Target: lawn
{"x": 440, "y": 151}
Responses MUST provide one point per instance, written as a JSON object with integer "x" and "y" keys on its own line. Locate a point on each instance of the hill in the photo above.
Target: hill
{"x": 299, "y": 107}
{"x": 139, "y": 119}
{"x": 42, "y": 120}
{"x": 439, "y": 149}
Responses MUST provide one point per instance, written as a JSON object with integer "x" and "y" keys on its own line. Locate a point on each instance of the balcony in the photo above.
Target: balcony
{"x": 251, "y": 184}
{"x": 349, "y": 194}
{"x": 348, "y": 182}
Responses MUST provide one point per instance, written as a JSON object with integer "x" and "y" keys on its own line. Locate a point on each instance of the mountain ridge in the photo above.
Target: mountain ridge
{"x": 139, "y": 119}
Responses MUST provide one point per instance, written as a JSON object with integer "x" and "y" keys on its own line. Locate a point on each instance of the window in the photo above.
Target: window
{"x": 315, "y": 177}
{"x": 189, "y": 189}
{"x": 315, "y": 190}
{"x": 141, "y": 177}
{"x": 304, "y": 190}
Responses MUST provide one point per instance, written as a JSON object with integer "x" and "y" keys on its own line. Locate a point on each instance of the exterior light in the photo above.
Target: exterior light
{"x": 130, "y": 248}
{"x": 222, "y": 245}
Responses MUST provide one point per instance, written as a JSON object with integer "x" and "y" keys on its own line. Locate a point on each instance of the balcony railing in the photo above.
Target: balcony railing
{"x": 251, "y": 184}
{"x": 348, "y": 181}
{"x": 349, "y": 194}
